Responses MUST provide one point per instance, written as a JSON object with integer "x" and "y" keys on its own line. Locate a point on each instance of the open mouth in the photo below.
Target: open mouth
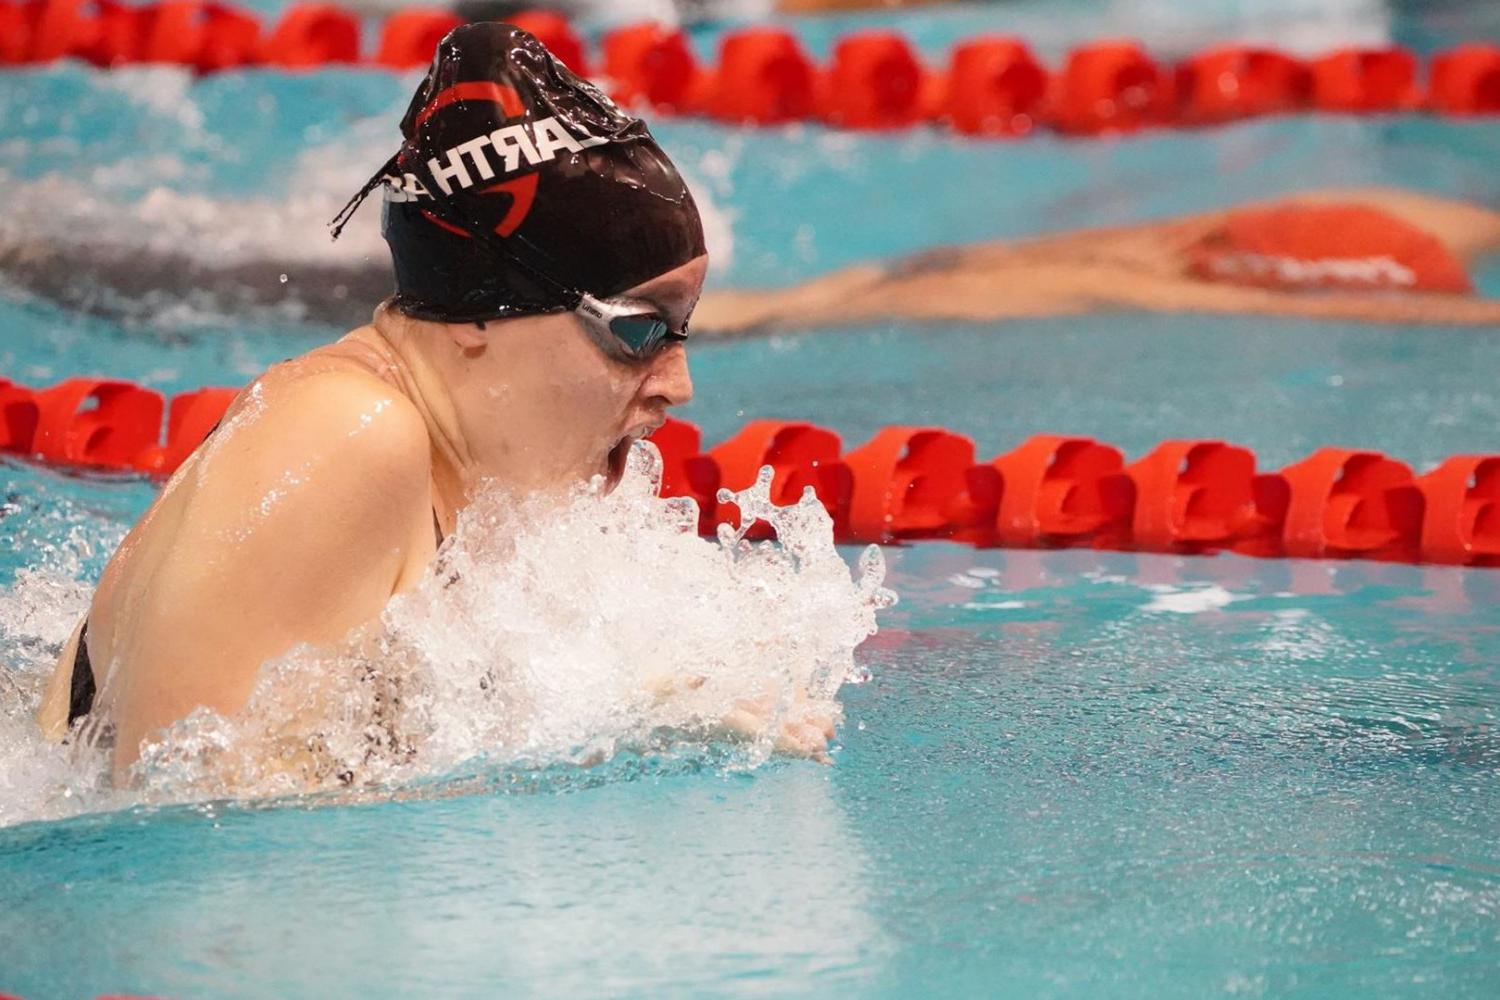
{"x": 619, "y": 455}
{"x": 616, "y": 462}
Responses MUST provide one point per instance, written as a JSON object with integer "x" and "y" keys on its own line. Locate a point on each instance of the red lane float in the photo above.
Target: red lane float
{"x": 87, "y": 421}
{"x": 1204, "y": 496}
{"x": 687, "y": 472}
{"x": 1111, "y": 87}
{"x": 800, "y": 455}
{"x": 1466, "y": 80}
{"x": 652, "y": 66}
{"x": 190, "y": 419}
{"x": 312, "y": 35}
{"x": 1365, "y": 80}
{"x": 1461, "y": 523}
{"x": 874, "y": 79}
{"x": 994, "y": 87}
{"x": 1233, "y": 81}
{"x": 1352, "y": 504}
{"x": 921, "y": 488}
{"x": 1191, "y": 496}
{"x": 764, "y": 78}
{"x": 18, "y": 418}
{"x": 231, "y": 38}
{"x": 408, "y": 38}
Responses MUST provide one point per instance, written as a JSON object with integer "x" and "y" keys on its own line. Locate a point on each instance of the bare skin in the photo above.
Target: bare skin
{"x": 314, "y": 502}
{"x": 1130, "y": 267}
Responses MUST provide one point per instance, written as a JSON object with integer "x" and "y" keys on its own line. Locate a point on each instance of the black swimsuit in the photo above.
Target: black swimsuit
{"x": 82, "y": 697}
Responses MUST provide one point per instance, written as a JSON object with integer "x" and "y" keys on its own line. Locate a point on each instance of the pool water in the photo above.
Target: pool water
{"x": 1071, "y": 774}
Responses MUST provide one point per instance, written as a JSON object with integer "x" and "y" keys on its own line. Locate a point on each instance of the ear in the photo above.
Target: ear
{"x": 468, "y": 336}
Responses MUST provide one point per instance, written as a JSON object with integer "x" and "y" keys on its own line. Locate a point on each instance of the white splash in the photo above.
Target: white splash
{"x": 41, "y": 780}
{"x": 544, "y": 634}
{"x": 1189, "y": 600}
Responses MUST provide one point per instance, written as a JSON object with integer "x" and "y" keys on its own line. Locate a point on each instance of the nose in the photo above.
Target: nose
{"x": 669, "y": 380}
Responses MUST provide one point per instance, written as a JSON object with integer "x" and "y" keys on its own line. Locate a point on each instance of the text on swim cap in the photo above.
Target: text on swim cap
{"x": 525, "y": 143}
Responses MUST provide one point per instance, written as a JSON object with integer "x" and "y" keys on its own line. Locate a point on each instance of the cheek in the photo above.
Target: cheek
{"x": 591, "y": 399}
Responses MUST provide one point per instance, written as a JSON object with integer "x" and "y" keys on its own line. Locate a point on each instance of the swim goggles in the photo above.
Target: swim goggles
{"x": 634, "y": 326}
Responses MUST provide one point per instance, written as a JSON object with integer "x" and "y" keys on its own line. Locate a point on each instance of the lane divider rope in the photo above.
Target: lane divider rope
{"x": 911, "y": 483}
{"x": 991, "y": 86}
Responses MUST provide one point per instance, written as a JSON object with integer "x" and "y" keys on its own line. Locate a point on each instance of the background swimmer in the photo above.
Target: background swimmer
{"x": 1395, "y": 257}
{"x": 1158, "y": 266}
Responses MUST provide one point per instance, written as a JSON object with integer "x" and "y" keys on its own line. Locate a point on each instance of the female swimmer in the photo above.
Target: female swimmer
{"x": 547, "y": 259}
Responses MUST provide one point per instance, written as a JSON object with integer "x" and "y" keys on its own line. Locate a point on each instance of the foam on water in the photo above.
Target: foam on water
{"x": 544, "y": 635}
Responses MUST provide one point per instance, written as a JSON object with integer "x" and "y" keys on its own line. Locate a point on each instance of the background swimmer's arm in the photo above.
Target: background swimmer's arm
{"x": 1184, "y": 295}
{"x": 303, "y": 517}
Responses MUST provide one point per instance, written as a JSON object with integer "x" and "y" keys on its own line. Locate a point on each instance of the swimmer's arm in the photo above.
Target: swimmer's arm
{"x": 303, "y": 522}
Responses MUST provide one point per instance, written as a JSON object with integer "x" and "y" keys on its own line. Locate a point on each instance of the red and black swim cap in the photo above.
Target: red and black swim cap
{"x": 520, "y": 185}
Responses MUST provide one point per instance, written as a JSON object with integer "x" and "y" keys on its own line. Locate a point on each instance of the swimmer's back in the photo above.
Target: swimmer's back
{"x": 298, "y": 519}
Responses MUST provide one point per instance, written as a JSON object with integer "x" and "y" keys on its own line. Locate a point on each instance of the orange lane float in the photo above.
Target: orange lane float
{"x": 1201, "y": 495}
{"x": 994, "y": 87}
{"x": 802, "y": 455}
{"x": 312, "y": 35}
{"x": 1234, "y": 81}
{"x": 409, "y": 37}
{"x": 764, "y": 77}
{"x": 1365, "y": 80}
{"x": 1466, "y": 80}
{"x": 1461, "y": 520}
{"x": 1111, "y": 87}
{"x": 1191, "y": 496}
{"x": 929, "y": 487}
{"x": 652, "y": 66}
{"x": 874, "y": 79}
{"x": 231, "y": 39}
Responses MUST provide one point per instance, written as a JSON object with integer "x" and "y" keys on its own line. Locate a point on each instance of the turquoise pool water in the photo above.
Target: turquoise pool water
{"x": 1072, "y": 773}
{"x": 1062, "y": 781}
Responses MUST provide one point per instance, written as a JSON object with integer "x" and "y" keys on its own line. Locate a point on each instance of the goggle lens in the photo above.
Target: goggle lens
{"x": 642, "y": 335}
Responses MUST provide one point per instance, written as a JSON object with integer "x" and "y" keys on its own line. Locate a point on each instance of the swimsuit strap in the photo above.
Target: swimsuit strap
{"x": 81, "y": 696}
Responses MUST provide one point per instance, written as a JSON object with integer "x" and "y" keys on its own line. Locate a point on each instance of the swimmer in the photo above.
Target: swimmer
{"x": 1369, "y": 255}
{"x": 547, "y": 257}
{"x": 1372, "y": 255}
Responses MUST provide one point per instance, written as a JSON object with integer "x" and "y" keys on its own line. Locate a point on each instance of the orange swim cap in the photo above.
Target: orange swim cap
{"x": 1346, "y": 247}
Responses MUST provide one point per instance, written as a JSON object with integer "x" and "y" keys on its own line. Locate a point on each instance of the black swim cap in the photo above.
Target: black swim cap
{"x": 519, "y": 186}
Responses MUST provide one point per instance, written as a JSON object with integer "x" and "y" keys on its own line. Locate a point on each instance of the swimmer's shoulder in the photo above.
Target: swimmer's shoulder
{"x": 338, "y": 422}
{"x": 340, "y": 391}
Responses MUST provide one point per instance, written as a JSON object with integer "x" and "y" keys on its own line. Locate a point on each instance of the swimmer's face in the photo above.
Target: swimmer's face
{"x": 553, "y": 407}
